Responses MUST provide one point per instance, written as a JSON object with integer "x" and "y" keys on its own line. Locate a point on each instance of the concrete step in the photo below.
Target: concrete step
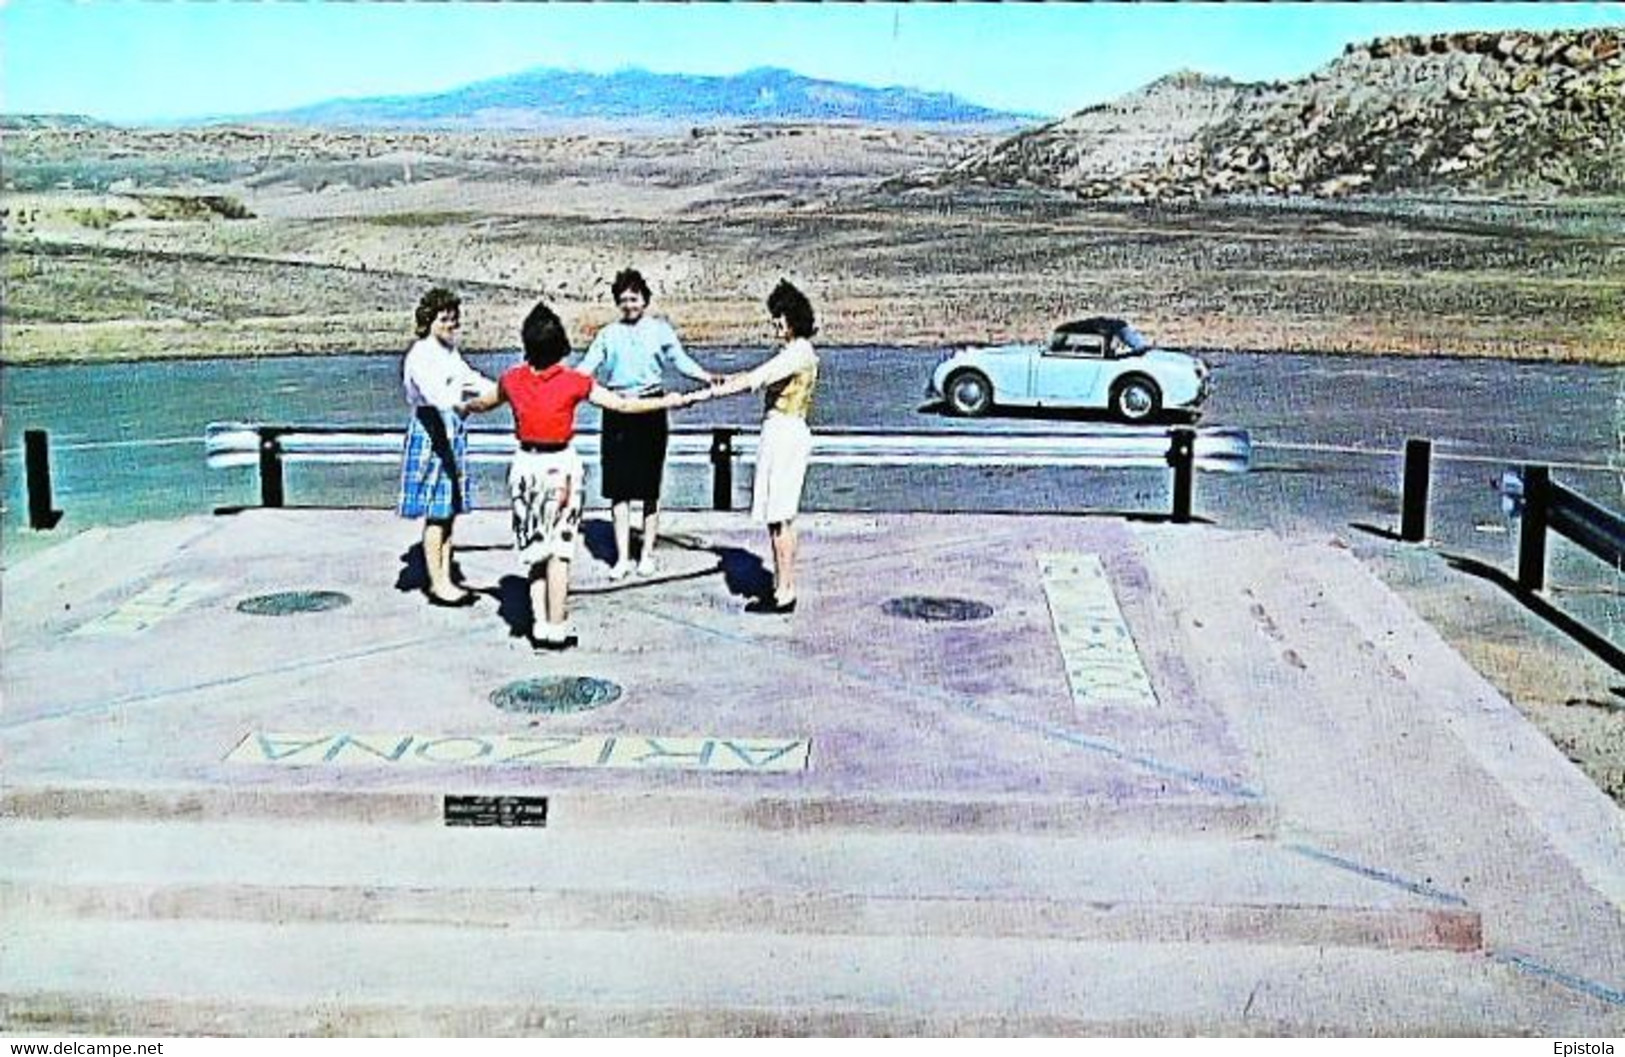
{"x": 721, "y": 880}
{"x": 589, "y": 801}
{"x": 186, "y": 977}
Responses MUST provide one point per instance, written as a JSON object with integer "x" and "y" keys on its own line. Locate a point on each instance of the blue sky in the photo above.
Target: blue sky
{"x": 134, "y": 60}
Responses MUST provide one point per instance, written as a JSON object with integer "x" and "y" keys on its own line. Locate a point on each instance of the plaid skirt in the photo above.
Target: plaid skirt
{"x": 434, "y": 466}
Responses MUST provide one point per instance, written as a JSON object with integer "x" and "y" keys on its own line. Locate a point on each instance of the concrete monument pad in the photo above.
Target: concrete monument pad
{"x": 998, "y": 774}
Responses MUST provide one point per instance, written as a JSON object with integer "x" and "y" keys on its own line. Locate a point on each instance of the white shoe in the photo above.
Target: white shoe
{"x": 620, "y": 570}
{"x": 647, "y": 565}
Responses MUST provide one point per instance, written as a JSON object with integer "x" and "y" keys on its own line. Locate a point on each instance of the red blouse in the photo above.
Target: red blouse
{"x": 544, "y": 402}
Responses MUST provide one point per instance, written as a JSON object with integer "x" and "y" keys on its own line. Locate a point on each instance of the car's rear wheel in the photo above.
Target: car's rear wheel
{"x": 1136, "y": 398}
{"x": 969, "y": 393}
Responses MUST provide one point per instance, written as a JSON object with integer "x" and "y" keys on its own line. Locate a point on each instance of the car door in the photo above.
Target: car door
{"x": 1069, "y": 372}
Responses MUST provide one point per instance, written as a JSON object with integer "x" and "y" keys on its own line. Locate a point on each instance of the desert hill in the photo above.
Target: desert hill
{"x": 543, "y": 99}
{"x": 1489, "y": 113}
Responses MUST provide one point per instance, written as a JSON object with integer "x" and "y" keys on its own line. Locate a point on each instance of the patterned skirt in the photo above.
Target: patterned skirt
{"x": 434, "y": 466}
{"x": 545, "y": 489}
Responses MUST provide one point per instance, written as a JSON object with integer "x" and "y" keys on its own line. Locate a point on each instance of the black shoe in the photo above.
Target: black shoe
{"x": 451, "y": 603}
{"x": 771, "y": 605}
{"x": 569, "y": 642}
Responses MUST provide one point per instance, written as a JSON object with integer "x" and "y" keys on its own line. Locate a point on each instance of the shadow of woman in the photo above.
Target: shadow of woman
{"x": 512, "y": 593}
{"x": 743, "y": 572}
{"x": 599, "y": 538}
{"x": 414, "y": 573}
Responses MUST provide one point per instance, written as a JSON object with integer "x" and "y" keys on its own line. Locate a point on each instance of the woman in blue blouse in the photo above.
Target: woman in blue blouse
{"x": 628, "y": 357}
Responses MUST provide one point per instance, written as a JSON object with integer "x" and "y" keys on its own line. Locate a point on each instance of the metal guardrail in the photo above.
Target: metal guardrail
{"x": 1544, "y": 505}
{"x": 1183, "y": 450}
{"x": 1552, "y": 507}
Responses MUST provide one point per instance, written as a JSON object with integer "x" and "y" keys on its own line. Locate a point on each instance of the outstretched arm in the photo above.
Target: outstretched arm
{"x": 796, "y": 356}
{"x": 634, "y": 405}
{"x": 674, "y": 354}
{"x": 486, "y": 401}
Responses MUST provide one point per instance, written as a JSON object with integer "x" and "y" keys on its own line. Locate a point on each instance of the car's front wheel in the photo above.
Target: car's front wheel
{"x": 969, "y": 393}
{"x": 1136, "y": 399}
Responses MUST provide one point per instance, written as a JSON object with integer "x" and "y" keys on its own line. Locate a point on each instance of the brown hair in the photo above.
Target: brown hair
{"x": 433, "y": 303}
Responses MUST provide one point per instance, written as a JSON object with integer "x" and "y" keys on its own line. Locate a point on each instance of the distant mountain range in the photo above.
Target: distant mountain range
{"x": 543, "y": 98}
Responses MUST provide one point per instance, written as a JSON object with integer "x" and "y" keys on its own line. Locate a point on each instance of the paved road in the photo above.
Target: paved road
{"x": 1327, "y": 429}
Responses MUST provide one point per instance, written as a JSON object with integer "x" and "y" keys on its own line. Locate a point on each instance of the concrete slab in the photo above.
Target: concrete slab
{"x": 978, "y": 711}
{"x": 1154, "y": 753}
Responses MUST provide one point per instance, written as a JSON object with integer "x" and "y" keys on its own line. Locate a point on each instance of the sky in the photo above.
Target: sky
{"x": 163, "y": 60}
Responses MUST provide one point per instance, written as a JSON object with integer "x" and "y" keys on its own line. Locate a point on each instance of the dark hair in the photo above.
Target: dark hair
{"x": 791, "y": 305}
{"x": 545, "y": 339}
{"x": 630, "y": 279}
{"x": 435, "y": 302}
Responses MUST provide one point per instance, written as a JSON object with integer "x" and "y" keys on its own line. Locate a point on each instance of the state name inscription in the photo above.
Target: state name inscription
{"x": 620, "y": 751}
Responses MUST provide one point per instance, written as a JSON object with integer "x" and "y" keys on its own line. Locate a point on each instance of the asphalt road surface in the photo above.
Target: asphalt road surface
{"x": 1327, "y": 433}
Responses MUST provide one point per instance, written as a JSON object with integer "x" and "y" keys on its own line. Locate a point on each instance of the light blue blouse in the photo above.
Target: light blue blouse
{"x": 629, "y": 357}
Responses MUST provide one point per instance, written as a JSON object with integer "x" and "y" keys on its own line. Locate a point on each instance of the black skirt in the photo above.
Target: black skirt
{"x": 633, "y": 455}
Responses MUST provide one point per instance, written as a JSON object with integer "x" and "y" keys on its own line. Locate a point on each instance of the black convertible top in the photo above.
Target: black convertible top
{"x": 1105, "y": 326}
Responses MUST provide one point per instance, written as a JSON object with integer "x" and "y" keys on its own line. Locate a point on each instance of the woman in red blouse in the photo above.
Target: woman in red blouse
{"x": 545, "y": 479}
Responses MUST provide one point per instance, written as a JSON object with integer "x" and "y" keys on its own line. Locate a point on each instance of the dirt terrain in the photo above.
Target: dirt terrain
{"x": 132, "y": 243}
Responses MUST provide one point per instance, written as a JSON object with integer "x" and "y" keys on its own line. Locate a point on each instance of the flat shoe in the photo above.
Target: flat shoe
{"x": 554, "y": 645}
{"x": 770, "y": 605}
{"x": 452, "y": 603}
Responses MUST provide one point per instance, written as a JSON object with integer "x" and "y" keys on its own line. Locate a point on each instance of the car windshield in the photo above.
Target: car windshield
{"x": 1133, "y": 339}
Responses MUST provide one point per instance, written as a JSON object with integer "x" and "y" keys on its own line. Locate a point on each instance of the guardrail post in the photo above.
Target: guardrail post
{"x": 1413, "y": 497}
{"x": 1182, "y": 457}
{"x": 37, "y": 468}
{"x": 722, "y": 468}
{"x": 271, "y": 491}
{"x": 1532, "y": 531}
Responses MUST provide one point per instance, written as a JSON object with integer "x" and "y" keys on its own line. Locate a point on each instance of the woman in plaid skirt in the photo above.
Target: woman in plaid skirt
{"x": 434, "y": 462}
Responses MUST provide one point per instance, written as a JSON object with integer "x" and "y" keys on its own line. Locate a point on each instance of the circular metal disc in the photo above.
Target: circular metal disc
{"x": 918, "y": 607}
{"x": 555, "y": 694}
{"x": 287, "y": 603}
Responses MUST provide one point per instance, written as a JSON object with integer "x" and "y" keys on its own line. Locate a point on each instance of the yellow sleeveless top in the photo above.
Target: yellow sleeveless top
{"x": 794, "y": 395}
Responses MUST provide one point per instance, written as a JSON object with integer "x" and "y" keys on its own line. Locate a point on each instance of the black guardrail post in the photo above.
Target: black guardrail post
{"x": 1413, "y": 498}
{"x": 1182, "y": 457}
{"x": 1532, "y": 531}
{"x": 37, "y": 468}
{"x": 722, "y": 468}
{"x": 271, "y": 490}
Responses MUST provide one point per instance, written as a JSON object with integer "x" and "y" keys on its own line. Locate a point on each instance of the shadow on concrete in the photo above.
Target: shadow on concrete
{"x": 512, "y": 593}
{"x": 1376, "y": 530}
{"x": 1598, "y": 645}
{"x": 743, "y": 572}
{"x": 598, "y": 536}
{"x": 414, "y": 571}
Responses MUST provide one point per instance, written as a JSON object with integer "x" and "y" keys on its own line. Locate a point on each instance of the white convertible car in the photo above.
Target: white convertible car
{"x": 1089, "y": 363}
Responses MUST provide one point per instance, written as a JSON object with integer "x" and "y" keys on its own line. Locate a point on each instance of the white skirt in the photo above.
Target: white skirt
{"x": 781, "y": 468}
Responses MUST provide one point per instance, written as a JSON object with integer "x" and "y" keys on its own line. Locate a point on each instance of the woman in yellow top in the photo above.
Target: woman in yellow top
{"x": 787, "y": 381}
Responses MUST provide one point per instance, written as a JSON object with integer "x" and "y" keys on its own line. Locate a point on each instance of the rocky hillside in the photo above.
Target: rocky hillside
{"x": 1470, "y": 112}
